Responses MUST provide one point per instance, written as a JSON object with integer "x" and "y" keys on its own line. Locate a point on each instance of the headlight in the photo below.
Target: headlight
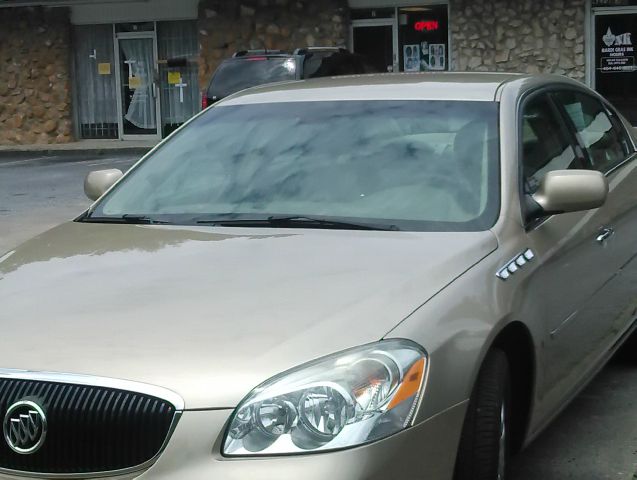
{"x": 339, "y": 401}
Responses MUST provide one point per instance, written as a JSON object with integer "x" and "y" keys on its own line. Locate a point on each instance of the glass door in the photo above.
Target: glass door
{"x": 138, "y": 102}
{"x": 376, "y": 41}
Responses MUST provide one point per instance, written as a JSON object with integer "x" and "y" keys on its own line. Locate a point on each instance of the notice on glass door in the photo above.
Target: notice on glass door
{"x": 174, "y": 78}
{"x": 134, "y": 83}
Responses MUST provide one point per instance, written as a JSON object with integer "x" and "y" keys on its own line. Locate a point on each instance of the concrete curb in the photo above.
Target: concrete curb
{"x": 13, "y": 154}
{"x": 81, "y": 148}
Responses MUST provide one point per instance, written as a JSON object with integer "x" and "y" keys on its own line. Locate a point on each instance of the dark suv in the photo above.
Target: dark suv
{"x": 249, "y": 68}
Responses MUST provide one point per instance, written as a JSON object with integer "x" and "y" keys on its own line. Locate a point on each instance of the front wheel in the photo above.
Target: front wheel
{"x": 483, "y": 453}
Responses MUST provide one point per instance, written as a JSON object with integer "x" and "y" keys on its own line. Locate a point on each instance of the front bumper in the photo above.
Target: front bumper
{"x": 426, "y": 451}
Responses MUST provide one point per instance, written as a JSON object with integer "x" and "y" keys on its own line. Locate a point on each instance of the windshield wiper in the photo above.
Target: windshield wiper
{"x": 127, "y": 218}
{"x": 301, "y": 221}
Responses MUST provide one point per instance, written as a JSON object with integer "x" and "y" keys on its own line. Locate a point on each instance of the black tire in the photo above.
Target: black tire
{"x": 481, "y": 442}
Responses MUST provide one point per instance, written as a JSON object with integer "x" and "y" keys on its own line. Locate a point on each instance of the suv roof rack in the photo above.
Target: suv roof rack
{"x": 245, "y": 53}
{"x": 305, "y": 50}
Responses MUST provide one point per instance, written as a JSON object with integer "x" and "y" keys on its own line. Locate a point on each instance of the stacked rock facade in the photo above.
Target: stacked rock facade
{"x": 35, "y": 94}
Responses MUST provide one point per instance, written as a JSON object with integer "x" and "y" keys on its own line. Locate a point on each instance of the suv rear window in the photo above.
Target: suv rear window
{"x": 235, "y": 75}
{"x": 331, "y": 63}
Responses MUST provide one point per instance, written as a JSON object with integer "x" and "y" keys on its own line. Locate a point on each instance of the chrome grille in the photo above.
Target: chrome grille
{"x": 92, "y": 429}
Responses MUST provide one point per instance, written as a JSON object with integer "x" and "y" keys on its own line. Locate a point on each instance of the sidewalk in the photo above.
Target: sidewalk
{"x": 83, "y": 147}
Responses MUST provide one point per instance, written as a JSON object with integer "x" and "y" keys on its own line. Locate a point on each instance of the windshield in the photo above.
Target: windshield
{"x": 414, "y": 165}
{"x": 236, "y": 75}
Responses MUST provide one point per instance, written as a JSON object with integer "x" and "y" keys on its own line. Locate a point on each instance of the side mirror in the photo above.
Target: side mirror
{"x": 562, "y": 191}
{"x": 98, "y": 182}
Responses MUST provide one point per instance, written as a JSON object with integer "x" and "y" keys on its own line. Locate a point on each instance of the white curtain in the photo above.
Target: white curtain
{"x": 141, "y": 111}
{"x": 178, "y": 40}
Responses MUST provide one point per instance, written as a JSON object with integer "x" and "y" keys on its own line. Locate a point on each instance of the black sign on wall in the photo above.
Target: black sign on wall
{"x": 616, "y": 60}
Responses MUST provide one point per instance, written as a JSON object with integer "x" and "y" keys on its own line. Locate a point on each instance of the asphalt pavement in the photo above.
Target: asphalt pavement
{"x": 595, "y": 438}
{"x": 40, "y": 192}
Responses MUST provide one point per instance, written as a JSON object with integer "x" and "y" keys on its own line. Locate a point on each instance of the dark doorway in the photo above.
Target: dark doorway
{"x": 376, "y": 44}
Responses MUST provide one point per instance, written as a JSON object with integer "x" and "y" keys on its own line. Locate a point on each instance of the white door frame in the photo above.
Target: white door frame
{"x": 152, "y": 35}
{"x": 591, "y": 60}
{"x": 379, "y": 22}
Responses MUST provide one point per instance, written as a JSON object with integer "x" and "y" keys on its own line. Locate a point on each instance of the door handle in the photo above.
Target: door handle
{"x": 604, "y": 234}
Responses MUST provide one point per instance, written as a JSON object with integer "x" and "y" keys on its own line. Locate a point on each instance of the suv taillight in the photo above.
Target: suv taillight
{"x": 204, "y": 101}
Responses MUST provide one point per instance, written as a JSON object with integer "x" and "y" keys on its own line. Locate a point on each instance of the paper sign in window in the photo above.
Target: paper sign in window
{"x": 174, "y": 78}
{"x": 104, "y": 68}
{"x": 134, "y": 82}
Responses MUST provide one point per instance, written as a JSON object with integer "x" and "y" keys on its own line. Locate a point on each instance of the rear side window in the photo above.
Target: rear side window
{"x": 546, "y": 144}
{"x": 603, "y": 140}
{"x": 328, "y": 64}
{"x": 235, "y": 75}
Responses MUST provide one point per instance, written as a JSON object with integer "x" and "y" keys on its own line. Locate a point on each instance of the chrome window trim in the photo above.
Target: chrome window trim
{"x": 628, "y": 159}
{"x": 95, "y": 381}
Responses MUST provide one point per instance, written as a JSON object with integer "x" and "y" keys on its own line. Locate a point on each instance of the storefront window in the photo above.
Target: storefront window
{"x": 423, "y": 38}
{"x": 403, "y": 39}
{"x": 178, "y": 72}
{"x": 95, "y": 83}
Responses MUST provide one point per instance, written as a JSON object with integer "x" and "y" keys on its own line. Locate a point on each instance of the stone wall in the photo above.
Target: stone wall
{"x": 487, "y": 35}
{"x": 35, "y": 98}
{"x": 228, "y": 26}
{"x": 531, "y": 36}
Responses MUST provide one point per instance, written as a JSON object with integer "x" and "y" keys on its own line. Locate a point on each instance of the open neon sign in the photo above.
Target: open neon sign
{"x": 427, "y": 26}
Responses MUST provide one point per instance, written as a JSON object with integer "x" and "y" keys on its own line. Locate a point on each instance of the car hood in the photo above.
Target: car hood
{"x": 212, "y": 312}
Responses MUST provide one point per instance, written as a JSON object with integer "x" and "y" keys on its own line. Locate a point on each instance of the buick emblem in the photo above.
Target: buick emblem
{"x": 24, "y": 427}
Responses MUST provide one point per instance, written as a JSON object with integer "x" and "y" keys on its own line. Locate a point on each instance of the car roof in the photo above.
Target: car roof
{"x": 389, "y": 86}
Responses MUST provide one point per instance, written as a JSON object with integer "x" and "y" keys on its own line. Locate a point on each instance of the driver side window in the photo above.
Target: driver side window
{"x": 605, "y": 143}
{"x": 546, "y": 144}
